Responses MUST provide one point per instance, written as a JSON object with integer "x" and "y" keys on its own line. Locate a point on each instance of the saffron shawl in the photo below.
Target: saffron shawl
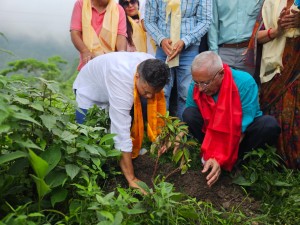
{"x": 173, "y": 8}
{"x": 139, "y": 37}
{"x": 222, "y": 122}
{"x": 106, "y": 41}
{"x": 154, "y": 106}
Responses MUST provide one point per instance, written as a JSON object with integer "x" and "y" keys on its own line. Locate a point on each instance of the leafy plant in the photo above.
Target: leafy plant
{"x": 173, "y": 135}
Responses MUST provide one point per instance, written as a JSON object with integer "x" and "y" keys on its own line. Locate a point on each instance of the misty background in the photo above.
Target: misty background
{"x": 36, "y": 29}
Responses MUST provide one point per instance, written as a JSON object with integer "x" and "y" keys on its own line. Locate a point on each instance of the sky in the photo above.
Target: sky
{"x": 36, "y": 19}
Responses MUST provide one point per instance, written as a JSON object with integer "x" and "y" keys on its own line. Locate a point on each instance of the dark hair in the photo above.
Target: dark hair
{"x": 155, "y": 72}
{"x": 129, "y": 30}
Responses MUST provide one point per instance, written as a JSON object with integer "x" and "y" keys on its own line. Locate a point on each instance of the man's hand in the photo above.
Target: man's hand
{"x": 177, "y": 48}
{"x": 215, "y": 172}
{"x": 291, "y": 19}
{"x": 134, "y": 184}
{"x": 86, "y": 56}
{"x": 128, "y": 171}
{"x": 166, "y": 45}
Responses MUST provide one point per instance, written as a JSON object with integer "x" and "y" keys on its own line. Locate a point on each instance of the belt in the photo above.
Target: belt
{"x": 243, "y": 44}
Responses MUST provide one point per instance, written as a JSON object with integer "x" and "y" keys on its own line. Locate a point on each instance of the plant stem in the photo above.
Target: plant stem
{"x": 172, "y": 172}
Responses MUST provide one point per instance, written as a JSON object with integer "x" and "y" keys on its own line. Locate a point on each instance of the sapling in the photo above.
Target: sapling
{"x": 173, "y": 135}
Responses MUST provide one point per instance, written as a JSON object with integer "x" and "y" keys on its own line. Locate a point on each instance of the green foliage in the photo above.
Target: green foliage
{"x": 174, "y": 135}
{"x": 40, "y": 146}
{"x": 277, "y": 187}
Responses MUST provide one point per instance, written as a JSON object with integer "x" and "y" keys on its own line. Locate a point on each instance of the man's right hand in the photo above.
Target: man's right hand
{"x": 134, "y": 184}
{"x": 166, "y": 45}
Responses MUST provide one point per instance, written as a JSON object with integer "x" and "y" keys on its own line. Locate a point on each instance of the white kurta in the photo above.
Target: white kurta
{"x": 107, "y": 81}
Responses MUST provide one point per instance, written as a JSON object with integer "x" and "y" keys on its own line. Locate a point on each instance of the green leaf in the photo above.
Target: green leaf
{"x": 28, "y": 144}
{"x": 49, "y": 121}
{"x": 113, "y": 153}
{"x": 118, "y": 218}
{"x": 55, "y": 179}
{"x": 107, "y": 215}
{"x": 68, "y": 136}
{"x": 241, "y": 181}
{"x": 36, "y": 214}
{"x": 41, "y": 185}
{"x": 38, "y": 106}
{"x": 23, "y": 116}
{"x": 72, "y": 170}
{"x": 58, "y": 196}
{"x": 12, "y": 156}
{"x": 177, "y": 156}
{"x": 52, "y": 156}
{"x": 39, "y": 165}
{"x": 23, "y": 101}
{"x": 91, "y": 149}
{"x": 106, "y": 137}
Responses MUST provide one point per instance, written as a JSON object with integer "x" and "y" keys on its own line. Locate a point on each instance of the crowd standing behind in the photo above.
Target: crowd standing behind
{"x": 251, "y": 37}
{"x": 177, "y": 28}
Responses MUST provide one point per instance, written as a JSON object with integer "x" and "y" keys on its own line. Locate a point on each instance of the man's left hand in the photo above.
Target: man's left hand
{"x": 214, "y": 173}
{"x": 177, "y": 48}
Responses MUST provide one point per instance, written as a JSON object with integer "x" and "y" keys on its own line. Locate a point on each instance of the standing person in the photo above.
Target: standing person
{"x": 223, "y": 113}
{"x": 231, "y": 30}
{"x": 279, "y": 36}
{"x": 151, "y": 46}
{"x": 136, "y": 36}
{"x": 97, "y": 27}
{"x": 119, "y": 80}
{"x": 177, "y": 28}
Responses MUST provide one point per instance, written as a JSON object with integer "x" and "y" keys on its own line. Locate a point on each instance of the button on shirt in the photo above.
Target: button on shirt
{"x": 108, "y": 81}
{"x": 233, "y": 21}
{"x": 195, "y": 20}
{"x": 248, "y": 94}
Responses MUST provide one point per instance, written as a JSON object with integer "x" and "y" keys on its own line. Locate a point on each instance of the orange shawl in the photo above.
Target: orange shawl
{"x": 154, "y": 106}
{"x": 222, "y": 122}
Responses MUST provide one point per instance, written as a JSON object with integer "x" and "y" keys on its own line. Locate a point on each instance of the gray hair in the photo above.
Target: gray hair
{"x": 208, "y": 60}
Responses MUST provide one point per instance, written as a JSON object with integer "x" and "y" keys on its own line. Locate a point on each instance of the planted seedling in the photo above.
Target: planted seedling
{"x": 173, "y": 136}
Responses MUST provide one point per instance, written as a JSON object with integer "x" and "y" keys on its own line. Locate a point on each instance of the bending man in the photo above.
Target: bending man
{"x": 122, "y": 81}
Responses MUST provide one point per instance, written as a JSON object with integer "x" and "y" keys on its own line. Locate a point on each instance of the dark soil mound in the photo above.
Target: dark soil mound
{"x": 223, "y": 194}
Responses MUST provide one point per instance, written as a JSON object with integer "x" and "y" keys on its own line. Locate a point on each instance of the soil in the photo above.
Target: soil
{"x": 223, "y": 194}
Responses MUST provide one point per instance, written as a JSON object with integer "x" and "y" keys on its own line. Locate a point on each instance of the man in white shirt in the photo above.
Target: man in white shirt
{"x": 110, "y": 80}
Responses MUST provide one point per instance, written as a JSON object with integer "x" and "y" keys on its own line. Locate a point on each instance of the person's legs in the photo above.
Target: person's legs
{"x": 184, "y": 77}
{"x": 80, "y": 115}
{"x": 192, "y": 117}
{"x": 264, "y": 130}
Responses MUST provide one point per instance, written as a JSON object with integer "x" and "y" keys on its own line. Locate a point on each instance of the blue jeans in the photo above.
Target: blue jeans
{"x": 182, "y": 74}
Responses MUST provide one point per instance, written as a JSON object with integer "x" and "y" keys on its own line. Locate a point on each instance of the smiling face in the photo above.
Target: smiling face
{"x": 144, "y": 89}
{"x": 131, "y": 7}
{"x": 208, "y": 82}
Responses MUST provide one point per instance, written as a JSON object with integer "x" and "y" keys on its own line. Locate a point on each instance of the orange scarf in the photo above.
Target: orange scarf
{"x": 222, "y": 122}
{"x": 154, "y": 106}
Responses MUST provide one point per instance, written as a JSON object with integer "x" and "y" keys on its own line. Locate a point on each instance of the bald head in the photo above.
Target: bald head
{"x": 208, "y": 61}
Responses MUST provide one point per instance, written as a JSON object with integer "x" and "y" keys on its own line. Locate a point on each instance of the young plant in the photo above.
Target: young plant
{"x": 173, "y": 135}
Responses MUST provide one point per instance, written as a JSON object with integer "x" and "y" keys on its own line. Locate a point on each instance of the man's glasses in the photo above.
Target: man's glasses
{"x": 125, "y": 4}
{"x": 205, "y": 84}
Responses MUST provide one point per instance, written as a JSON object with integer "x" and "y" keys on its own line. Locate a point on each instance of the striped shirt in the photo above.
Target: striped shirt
{"x": 196, "y": 16}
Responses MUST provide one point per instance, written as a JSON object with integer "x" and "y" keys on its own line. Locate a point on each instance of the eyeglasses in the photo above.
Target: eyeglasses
{"x": 205, "y": 84}
{"x": 125, "y": 4}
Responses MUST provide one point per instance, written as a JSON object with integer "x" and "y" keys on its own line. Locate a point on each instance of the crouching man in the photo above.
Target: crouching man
{"x": 223, "y": 113}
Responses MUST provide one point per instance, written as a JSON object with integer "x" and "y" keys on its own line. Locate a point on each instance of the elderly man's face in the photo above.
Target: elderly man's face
{"x": 208, "y": 81}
